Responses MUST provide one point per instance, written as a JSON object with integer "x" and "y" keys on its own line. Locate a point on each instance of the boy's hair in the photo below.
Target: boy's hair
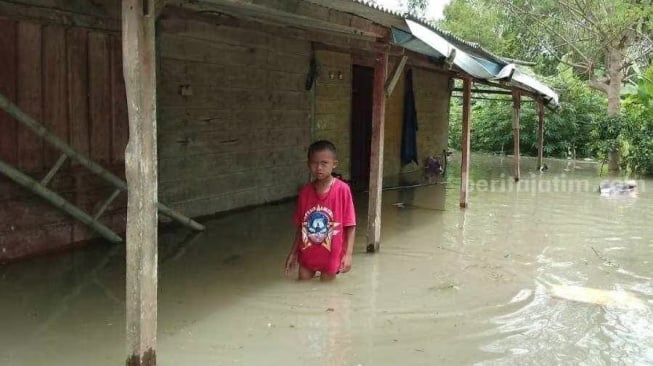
{"x": 321, "y": 145}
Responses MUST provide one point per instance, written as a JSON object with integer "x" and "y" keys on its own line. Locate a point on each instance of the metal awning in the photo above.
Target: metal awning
{"x": 423, "y": 40}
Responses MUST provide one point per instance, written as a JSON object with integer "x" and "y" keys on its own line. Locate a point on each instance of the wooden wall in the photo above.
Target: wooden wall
{"x": 394, "y": 109}
{"x": 432, "y": 95}
{"x": 70, "y": 79}
{"x": 333, "y": 111}
{"x": 234, "y": 116}
{"x": 333, "y": 105}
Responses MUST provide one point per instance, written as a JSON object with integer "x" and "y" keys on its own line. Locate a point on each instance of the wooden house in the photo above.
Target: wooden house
{"x": 222, "y": 99}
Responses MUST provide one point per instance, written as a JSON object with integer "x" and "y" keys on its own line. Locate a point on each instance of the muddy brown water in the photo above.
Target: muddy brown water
{"x": 551, "y": 274}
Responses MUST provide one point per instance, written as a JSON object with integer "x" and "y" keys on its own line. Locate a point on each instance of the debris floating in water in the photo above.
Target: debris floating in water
{"x": 608, "y": 188}
{"x": 620, "y": 299}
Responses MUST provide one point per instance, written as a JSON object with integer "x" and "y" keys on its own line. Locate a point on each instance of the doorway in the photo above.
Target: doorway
{"x": 361, "y": 125}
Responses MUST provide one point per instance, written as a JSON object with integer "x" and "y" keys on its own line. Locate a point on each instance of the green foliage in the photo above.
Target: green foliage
{"x": 606, "y": 136}
{"x": 570, "y": 42}
{"x": 462, "y": 19}
{"x": 644, "y": 89}
{"x": 570, "y": 129}
{"x": 584, "y": 31}
{"x": 417, "y": 7}
{"x": 488, "y": 23}
{"x": 637, "y": 143}
{"x": 455, "y": 123}
{"x": 637, "y": 132}
{"x": 580, "y": 125}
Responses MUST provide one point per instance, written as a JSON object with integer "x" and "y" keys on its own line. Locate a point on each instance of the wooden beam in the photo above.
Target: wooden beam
{"x": 516, "y": 106}
{"x": 376, "y": 155}
{"x": 363, "y": 60}
{"x": 424, "y": 62}
{"x": 392, "y": 82}
{"x": 500, "y": 85}
{"x": 48, "y": 177}
{"x": 139, "y": 60}
{"x": 540, "y": 132}
{"x": 49, "y": 15}
{"x": 465, "y": 145}
{"x": 358, "y": 49}
{"x": 486, "y": 91}
{"x": 174, "y": 19}
{"x": 300, "y": 15}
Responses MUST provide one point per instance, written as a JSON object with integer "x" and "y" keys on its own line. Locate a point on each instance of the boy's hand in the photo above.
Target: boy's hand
{"x": 345, "y": 264}
{"x": 291, "y": 261}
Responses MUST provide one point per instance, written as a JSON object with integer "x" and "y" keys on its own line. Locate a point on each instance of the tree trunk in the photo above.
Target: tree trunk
{"x": 615, "y": 58}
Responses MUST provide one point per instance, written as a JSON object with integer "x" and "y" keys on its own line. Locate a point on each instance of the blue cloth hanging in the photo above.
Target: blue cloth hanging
{"x": 409, "y": 130}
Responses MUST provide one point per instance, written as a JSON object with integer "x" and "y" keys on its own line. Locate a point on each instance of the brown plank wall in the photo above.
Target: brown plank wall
{"x": 69, "y": 79}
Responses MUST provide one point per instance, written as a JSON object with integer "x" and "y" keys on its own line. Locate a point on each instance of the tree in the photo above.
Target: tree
{"x": 489, "y": 24}
{"x": 461, "y": 17}
{"x": 599, "y": 39}
{"x": 416, "y": 7}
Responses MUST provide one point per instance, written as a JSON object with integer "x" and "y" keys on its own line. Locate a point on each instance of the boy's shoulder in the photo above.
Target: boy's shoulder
{"x": 342, "y": 186}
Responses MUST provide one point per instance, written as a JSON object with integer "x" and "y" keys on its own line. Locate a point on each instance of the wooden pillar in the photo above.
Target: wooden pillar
{"x": 465, "y": 145}
{"x": 376, "y": 155}
{"x": 139, "y": 67}
{"x": 540, "y": 132}
{"x": 516, "y": 105}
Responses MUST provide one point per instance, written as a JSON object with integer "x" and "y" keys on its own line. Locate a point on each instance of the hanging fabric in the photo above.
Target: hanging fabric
{"x": 409, "y": 130}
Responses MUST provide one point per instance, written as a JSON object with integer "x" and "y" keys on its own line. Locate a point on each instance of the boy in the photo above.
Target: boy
{"x": 325, "y": 219}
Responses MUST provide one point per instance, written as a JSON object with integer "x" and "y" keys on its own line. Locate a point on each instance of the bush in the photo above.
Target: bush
{"x": 637, "y": 140}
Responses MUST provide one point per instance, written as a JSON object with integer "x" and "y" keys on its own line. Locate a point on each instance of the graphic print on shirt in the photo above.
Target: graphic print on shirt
{"x": 318, "y": 227}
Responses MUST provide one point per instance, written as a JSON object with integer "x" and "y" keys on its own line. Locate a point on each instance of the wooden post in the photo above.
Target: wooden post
{"x": 540, "y": 132}
{"x": 465, "y": 145}
{"x": 516, "y": 104}
{"x": 376, "y": 155}
{"x": 139, "y": 67}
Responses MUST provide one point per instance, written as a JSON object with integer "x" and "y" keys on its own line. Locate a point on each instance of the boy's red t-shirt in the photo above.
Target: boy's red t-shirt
{"x": 322, "y": 220}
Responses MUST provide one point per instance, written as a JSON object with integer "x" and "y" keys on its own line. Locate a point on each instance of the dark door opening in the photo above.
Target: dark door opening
{"x": 361, "y": 125}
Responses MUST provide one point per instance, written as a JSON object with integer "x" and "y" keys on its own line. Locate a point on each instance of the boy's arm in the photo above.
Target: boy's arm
{"x": 291, "y": 259}
{"x": 295, "y": 246}
{"x": 350, "y": 234}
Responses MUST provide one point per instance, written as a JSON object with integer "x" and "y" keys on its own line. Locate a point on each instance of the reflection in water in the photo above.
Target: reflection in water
{"x": 542, "y": 272}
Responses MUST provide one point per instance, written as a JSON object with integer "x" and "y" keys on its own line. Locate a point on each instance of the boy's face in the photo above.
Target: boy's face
{"x": 321, "y": 164}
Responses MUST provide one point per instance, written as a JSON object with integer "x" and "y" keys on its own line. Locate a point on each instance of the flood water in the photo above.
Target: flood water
{"x": 550, "y": 274}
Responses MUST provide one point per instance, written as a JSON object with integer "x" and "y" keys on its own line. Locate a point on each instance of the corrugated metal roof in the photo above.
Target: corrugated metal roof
{"x": 470, "y": 57}
{"x": 469, "y": 47}
{"x": 421, "y": 39}
{"x": 378, "y": 7}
